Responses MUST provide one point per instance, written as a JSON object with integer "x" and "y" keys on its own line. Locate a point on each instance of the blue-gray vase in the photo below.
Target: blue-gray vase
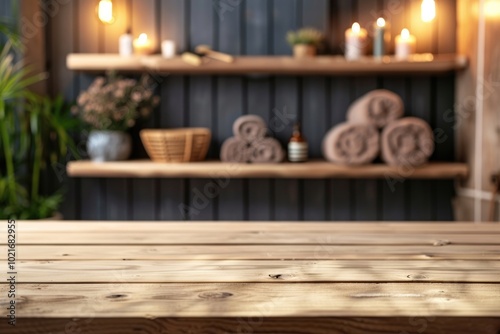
{"x": 109, "y": 145}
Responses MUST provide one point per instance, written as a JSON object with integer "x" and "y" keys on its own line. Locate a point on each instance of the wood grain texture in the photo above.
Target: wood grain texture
{"x": 310, "y": 170}
{"x": 319, "y": 251}
{"x": 153, "y": 300}
{"x": 321, "y": 65}
{"x": 303, "y": 270}
{"x": 388, "y": 228}
{"x": 229, "y": 237}
{"x": 262, "y": 271}
{"x": 259, "y": 325}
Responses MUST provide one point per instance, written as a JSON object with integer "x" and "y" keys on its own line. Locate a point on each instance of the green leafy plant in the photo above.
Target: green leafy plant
{"x": 33, "y": 135}
{"x": 115, "y": 103}
{"x": 308, "y": 36}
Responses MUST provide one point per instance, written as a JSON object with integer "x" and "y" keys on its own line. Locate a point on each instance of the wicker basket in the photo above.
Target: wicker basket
{"x": 177, "y": 145}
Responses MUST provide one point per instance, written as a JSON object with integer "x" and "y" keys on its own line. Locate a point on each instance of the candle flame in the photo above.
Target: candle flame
{"x": 143, "y": 38}
{"x": 428, "y": 10}
{"x": 356, "y": 28}
{"x": 492, "y": 8}
{"x": 105, "y": 11}
{"x": 381, "y": 22}
{"x": 405, "y": 34}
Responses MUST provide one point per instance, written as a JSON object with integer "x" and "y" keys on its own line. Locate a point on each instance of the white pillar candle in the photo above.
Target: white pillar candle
{"x": 143, "y": 45}
{"x": 168, "y": 49}
{"x": 355, "y": 42}
{"x": 405, "y": 45}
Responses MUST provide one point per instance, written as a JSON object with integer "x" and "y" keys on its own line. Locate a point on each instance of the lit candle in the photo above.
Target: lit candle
{"x": 168, "y": 49}
{"x": 405, "y": 44}
{"x": 143, "y": 45}
{"x": 355, "y": 42}
{"x": 379, "y": 38}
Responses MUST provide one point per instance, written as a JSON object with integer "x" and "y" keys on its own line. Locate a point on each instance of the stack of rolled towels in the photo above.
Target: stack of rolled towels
{"x": 375, "y": 127}
{"x": 250, "y": 144}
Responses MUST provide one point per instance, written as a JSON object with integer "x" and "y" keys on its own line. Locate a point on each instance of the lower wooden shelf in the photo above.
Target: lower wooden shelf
{"x": 217, "y": 169}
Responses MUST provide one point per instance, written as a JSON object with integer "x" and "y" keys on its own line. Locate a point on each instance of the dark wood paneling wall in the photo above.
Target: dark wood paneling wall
{"x": 256, "y": 27}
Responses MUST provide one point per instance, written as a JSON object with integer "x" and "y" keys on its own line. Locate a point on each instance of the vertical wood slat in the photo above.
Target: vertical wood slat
{"x": 286, "y": 192}
{"x": 259, "y": 100}
{"x": 87, "y": 41}
{"x": 421, "y": 192}
{"x": 117, "y": 191}
{"x": 174, "y": 106}
{"x": 285, "y": 18}
{"x": 231, "y": 200}
{"x": 173, "y": 23}
{"x": 202, "y": 30}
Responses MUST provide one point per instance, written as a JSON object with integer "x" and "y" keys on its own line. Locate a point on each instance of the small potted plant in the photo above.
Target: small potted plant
{"x": 110, "y": 106}
{"x": 305, "y": 42}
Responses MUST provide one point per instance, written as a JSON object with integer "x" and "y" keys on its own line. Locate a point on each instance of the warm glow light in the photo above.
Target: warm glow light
{"x": 428, "y": 10}
{"x": 405, "y": 34}
{"x": 356, "y": 28}
{"x": 143, "y": 38}
{"x": 492, "y": 8}
{"x": 105, "y": 11}
{"x": 381, "y": 22}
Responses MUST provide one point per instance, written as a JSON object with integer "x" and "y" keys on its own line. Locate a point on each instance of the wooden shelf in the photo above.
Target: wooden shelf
{"x": 214, "y": 169}
{"x": 280, "y": 65}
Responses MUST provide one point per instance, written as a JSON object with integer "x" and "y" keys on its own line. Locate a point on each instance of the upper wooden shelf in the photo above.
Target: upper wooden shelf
{"x": 280, "y": 65}
{"x": 309, "y": 170}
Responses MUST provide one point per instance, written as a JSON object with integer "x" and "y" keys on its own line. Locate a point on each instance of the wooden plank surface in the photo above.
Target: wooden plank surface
{"x": 126, "y": 300}
{"x": 259, "y": 325}
{"x": 393, "y": 228}
{"x": 310, "y": 170}
{"x": 260, "y": 271}
{"x": 316, "y": 252}
{"x": 321, "y": 65}
{"x": 249, "y": 238}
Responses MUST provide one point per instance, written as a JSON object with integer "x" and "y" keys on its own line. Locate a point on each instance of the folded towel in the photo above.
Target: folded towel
{"x": 235, "y": 150}
{"x": 249, "y": 128}
{"x": 379, "y": 107}
{"x": 408, "y": 141}
{"x": 267, "y": 150}
{"x": 351, "y": 144}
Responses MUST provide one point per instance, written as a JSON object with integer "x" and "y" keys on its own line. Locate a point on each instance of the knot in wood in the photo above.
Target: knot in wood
{"x": 215, "y": 295}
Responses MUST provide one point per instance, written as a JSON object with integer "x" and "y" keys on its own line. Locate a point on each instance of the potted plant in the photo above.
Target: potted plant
{"x": 110, "y": 106}
{"x": 34, "y": 134}
{"x": 305, "y": 42}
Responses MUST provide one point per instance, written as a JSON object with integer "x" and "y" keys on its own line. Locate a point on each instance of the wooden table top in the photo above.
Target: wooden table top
{"x": 147, "y": 273}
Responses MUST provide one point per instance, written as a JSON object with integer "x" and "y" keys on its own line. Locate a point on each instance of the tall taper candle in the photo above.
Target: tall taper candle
{"x": 379, "y": 38}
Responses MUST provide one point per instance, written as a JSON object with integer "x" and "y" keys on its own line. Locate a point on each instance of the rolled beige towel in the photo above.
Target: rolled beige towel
{"x": 235, "y": 150}
{"x": 379, "y": 107}
{"x": 407, "y": 142}
{"x": 267, "y": 150}
{"x": 249, "y": 128}
{"x": 351, "y": 144}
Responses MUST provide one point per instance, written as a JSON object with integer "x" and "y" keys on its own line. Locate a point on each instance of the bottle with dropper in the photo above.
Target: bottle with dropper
{"x": 297, "y": 146}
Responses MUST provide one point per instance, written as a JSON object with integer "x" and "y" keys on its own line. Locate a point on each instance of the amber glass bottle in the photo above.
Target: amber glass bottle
{"x": 297, "y": 147}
